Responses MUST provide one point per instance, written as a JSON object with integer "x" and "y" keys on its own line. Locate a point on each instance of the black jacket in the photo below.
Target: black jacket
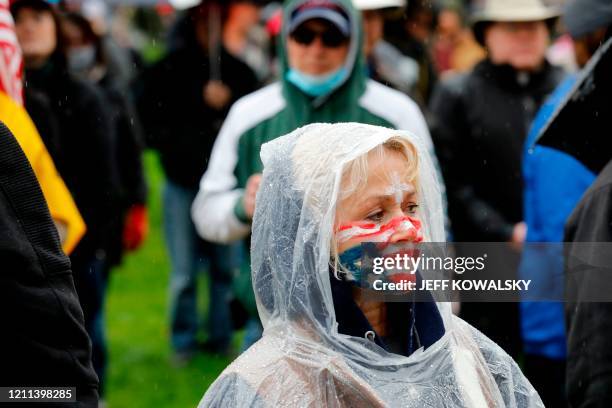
{"x": 129, "y": 146}
{"x": 43, "y": 341}
{"x": 129, "y": 142}
{"x": 85, "y": 157}
{"x": 480, "y": 122}
{"x": 413, "y": 324}
{"x": 177, "y": 121}
{"x": 588, "y": 270}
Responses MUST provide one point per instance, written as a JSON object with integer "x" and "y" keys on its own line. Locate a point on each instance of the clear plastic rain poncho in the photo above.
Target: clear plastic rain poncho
{"x": 302, "y": 360}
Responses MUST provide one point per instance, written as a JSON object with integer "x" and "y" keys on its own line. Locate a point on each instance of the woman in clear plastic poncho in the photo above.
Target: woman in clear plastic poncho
{"x": 323, "y": 347}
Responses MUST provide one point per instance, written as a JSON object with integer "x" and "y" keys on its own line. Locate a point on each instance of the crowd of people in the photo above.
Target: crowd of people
{"x": 468, "y": 88}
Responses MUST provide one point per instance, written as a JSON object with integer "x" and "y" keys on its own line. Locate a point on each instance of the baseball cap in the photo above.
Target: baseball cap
{"x": 321, "y": 9}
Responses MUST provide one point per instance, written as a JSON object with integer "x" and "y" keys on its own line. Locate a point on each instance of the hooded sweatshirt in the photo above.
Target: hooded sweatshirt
{"x": 277, "y": 109}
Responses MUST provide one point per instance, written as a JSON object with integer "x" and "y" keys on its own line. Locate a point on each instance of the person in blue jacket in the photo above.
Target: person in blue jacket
{"x": 554, "y": 182}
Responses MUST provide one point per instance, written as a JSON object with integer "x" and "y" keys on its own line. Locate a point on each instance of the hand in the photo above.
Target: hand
{"x": 62, "y": 230}
{"x": 216, "y": 94}
{"x": 135, "y": 228}
{"x": 250, "y": 194}
{"x": 519, "y": 234}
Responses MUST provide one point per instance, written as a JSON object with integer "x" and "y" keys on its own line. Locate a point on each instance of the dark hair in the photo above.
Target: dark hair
{"x": 89, "y": 35}
{"x": 183, "y": 34}
{"x": 203, "y": 10}
{"x": 58, "y": 55}
{"x": 38, "y": 5}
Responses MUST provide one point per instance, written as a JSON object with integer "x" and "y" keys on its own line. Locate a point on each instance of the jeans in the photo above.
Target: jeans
{"x": 187, "y": 251}
{"x": 90, "y": 277}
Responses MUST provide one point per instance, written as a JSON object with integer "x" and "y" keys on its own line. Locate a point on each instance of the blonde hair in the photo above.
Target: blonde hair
{"x": 355, "y": 176}
{"x": 355, "y": 173}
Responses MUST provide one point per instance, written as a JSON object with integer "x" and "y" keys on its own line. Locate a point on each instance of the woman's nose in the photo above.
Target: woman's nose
{"x": 404, "y": 235}
{"x": 403, "y": 232}
{"x": 396, "y": 212}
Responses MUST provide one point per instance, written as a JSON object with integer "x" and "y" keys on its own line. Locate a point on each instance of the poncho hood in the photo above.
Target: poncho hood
{"x": 302, "y": 359}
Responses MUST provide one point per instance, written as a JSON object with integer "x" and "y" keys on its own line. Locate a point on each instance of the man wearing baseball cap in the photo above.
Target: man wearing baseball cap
{"x": 322, "y": 80}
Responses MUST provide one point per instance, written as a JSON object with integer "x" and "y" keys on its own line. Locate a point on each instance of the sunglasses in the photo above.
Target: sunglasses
{"x": 331, "y": 37}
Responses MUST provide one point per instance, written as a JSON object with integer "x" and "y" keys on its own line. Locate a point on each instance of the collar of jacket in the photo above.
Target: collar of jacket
{"x": 422, "y": 321}
{"x": 508, "y": 77}
{"x": 49, "y": 76}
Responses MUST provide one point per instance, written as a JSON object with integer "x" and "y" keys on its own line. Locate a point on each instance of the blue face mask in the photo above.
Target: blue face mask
{"x": 316, "y": 85}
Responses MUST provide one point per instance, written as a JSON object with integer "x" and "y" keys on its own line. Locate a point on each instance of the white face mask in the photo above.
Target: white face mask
{"x": 81, "y": 58}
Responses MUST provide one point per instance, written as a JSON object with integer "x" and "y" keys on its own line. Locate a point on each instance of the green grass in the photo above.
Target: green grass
{"x": 140, "y": 372}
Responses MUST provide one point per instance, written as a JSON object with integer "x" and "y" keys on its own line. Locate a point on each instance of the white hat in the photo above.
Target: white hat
{"x": 377, "y": 4}
{"x": 512, "y": 10}
{"x": 184, "y": 4}
{"x": 488, "y": 11}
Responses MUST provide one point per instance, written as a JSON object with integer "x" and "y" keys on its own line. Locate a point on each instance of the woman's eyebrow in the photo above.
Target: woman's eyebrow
{"x": 367, "y": 202}
{"x": 404, "y": 195}
{"x": 384, "y": 192}
{"x": 411, "y": 193}
{"x": 376, "y": 198}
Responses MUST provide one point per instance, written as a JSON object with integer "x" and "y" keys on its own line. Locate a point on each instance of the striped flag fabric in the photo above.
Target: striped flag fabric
{"x": 11, "y": 61}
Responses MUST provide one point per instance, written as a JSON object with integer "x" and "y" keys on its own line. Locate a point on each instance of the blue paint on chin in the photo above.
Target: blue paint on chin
{"x": 351, "y": 261}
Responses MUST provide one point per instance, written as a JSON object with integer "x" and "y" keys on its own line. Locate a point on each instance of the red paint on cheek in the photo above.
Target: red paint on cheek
{"x": 376, "y": 230}
{"x": 360, "y": 224}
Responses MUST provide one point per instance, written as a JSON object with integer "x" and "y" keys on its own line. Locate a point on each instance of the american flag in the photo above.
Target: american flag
{"x": 11, "y": 62}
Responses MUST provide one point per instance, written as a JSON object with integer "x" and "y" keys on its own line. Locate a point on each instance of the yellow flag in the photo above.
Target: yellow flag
{"x": 61, "y": 205}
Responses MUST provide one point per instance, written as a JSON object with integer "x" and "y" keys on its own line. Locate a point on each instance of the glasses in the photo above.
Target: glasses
{"x": 331, "y": 37}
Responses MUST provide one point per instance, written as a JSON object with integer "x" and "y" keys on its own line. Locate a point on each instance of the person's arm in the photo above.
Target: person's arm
{"x": 99, "y": 197}
{"x": 450, "y": 132}
{"x": 218, "y": 210}
{"x": 130, "y": 145}
{"x": 64, "y": 212}
{"x": 131, "y": 171}
{"x": 155, "y": 106}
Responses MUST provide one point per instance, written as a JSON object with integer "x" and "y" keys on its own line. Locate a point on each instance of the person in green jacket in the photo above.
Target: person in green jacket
{"x": 323, "y": 79}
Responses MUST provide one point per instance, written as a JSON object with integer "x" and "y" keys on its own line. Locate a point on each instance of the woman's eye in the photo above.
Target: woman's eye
{"x": 411, "y": 208}
{"x": 377, "y": 216}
